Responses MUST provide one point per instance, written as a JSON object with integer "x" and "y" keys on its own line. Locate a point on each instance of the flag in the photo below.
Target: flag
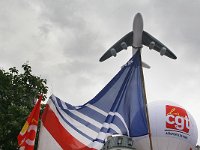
{"x": 26, "y": 137}
{"x": 118, "y": 108}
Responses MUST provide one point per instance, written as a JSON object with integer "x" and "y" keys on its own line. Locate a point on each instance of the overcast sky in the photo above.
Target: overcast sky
{"x": 63, "y": 40}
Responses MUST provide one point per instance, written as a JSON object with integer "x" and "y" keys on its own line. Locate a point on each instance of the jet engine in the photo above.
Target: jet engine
{"x": 151, "y": 45}
{"x": 113, "y": 52}
{"x": 163, "y": 51}
{"x": 124, "y": 45}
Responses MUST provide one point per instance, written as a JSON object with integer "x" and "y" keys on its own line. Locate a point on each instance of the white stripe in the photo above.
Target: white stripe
{"x": 63, "y": 105}
{"x": 30, "y": 142}
{"x": 121, "y": 118}
{"x": 88, "y": 119}
{"x": 46, "y": 141}
{"x": 32, "y": 127}
{"x": 115, "y": 128}
{"x": 97, "y": 109}
{"x": 22, "y": 148}
{"x": 103, "y": 136}
{"x": 112, "y": 126}
{"x": 110, "y": 113}
{"x": 96, "y": 145}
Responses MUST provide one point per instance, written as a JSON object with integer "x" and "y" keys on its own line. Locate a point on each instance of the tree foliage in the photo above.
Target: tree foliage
{"x": 18, "y": 92}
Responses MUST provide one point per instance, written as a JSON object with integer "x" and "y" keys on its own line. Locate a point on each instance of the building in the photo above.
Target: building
{"x": 119, "y": 143}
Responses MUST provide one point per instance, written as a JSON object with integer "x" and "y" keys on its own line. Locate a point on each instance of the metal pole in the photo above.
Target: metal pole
{"x": 137, "y": 46}
{"x": 147, "y": 112}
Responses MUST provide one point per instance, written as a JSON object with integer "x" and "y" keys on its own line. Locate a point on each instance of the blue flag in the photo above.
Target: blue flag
{"x": 119, "y": 108}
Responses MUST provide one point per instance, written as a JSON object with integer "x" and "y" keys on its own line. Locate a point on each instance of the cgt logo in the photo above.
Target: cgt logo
{"x": 177, "y": 119}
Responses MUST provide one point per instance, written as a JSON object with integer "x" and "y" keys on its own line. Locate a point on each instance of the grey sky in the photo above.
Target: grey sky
{"x": 64, "y": 39}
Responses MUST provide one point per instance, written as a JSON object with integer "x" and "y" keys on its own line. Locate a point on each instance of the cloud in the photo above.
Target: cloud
{"x": 63, "y": 41}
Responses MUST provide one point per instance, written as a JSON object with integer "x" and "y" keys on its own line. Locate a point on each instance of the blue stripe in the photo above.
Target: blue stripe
{"x": 92, "y": 114}
{"x": 108, "y": 130}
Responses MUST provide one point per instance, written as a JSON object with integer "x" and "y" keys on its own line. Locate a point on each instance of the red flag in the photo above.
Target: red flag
{"x": 26, "y": 137}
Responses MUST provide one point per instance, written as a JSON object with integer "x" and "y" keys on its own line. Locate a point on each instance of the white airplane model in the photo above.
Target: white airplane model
{"x": 136, "y": 39}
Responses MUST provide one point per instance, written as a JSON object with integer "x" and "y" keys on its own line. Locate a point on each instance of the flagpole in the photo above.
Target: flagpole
{"x": 147, "y": 111}
{"x": 137, "y": 46}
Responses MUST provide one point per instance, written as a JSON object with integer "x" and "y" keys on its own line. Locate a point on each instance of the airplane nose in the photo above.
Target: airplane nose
{"x": 138, "y": 15}
{"x": 137, "y": 29}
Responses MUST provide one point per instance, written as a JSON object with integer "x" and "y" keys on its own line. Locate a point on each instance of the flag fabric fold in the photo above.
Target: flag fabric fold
{"x": 26, "y": 137}
{"x": 118, "y": 108}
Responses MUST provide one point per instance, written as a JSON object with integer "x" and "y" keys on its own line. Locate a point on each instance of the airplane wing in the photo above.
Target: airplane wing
{"x": 118, "y": 46}
{"x": 148, "y": 39}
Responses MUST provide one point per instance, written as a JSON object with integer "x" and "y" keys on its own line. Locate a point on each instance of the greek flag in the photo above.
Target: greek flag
{"x": 118, "y": 108}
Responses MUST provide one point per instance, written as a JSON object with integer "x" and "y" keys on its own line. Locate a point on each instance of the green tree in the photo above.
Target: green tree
{"x": 18, "y": 92}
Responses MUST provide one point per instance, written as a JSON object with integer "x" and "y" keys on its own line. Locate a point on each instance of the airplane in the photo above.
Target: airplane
{"x": 136, "y": 39}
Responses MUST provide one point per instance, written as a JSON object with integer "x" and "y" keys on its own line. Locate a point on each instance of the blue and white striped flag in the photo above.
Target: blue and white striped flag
{"x": 118, "y": 108}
